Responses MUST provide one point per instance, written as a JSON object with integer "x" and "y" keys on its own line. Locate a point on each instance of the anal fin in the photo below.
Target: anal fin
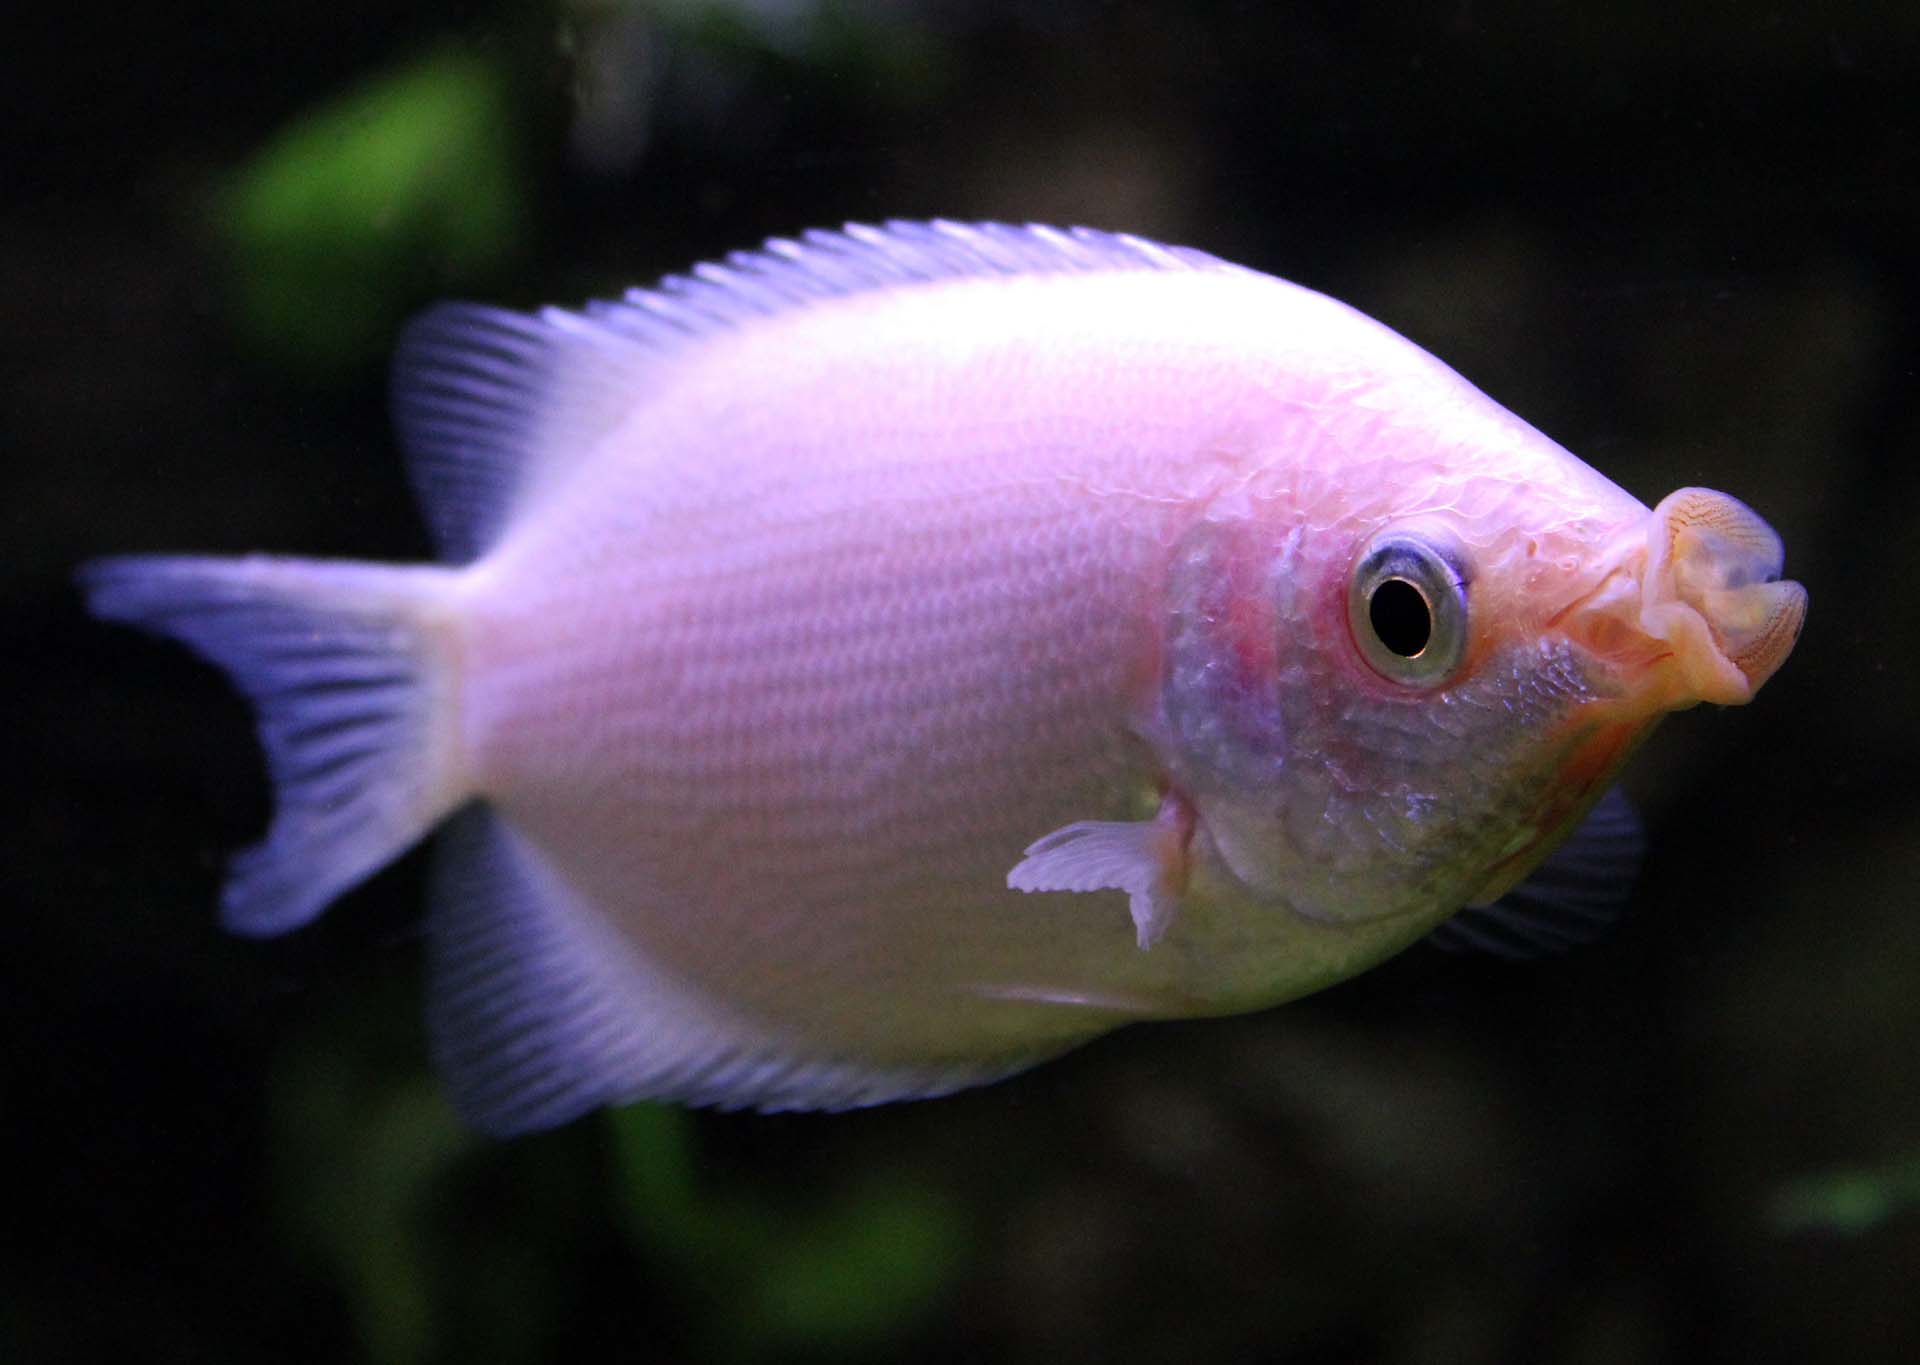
{"x": 540, "y": 1011}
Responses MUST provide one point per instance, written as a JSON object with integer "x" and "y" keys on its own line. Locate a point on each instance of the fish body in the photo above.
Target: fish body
{"x": 894, "y": 657}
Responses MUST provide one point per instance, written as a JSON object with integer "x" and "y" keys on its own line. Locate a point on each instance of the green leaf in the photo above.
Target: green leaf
{"x": 1850, "y": 1201}
{"x": 853, "y": 1271}
{"x": 362, "y": 1153}
{"x": 858, "y": 1272}
{"x": 334, "y": 226}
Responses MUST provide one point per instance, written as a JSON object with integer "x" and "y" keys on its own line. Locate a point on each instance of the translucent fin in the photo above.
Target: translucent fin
{"x": 1144, "y": 858}
{"x": 350, "y": 702}
{"x": 1572, "y": 898}
{"x": 491, "y": 405}
{"x": 539, "y": 1011}
{"x": 788, "y": 273}
{"x": 494, "y": 405}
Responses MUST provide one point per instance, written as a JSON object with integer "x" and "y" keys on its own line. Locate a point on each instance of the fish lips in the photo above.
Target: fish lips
{"x": 1713, "y": 591}
{"x": 1693, "y": 608}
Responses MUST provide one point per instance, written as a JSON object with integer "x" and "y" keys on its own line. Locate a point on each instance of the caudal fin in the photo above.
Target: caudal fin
{"x": 354, "y": 692}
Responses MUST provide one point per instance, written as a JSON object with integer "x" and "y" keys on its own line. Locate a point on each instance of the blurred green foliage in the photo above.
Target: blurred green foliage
{"x": 365, "y": 1166}
{"x": 373, "y": 1169}
{"x": 862, "y": 1264}
{"x": 362, "y": 1147}
{"x": 894, "y": 55}
{"x": 329, "y": 225}
{"x": 1848, "y": 1201}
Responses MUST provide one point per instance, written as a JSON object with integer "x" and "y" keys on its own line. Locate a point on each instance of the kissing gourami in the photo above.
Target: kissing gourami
{"x": 892, "y": 657}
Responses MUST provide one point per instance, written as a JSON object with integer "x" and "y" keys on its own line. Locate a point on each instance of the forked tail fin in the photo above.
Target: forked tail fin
{"x": 351, "y": 671}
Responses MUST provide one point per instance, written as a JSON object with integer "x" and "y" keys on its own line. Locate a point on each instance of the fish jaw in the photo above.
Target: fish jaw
{"x": 1693, "y": 609}
{"x": 1690, "y": 608}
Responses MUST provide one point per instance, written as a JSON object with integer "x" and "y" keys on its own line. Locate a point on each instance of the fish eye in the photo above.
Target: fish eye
{"x": 1407, "y": 607}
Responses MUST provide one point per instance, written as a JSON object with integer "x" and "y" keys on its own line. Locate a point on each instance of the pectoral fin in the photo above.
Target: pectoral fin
{"x": 1147, "y": 859}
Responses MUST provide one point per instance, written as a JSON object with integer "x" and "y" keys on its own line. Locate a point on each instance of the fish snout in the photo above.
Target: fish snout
{"x": 1712, "y": 592}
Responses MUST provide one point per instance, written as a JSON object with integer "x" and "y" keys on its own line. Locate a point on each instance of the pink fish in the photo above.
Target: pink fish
{"x": 881, "y": 662}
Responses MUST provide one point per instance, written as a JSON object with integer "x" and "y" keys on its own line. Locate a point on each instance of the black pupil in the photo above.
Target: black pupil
{"x": 1399, "y": 616}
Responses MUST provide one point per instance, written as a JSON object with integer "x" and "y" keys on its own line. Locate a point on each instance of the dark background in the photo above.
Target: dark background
{"x": 1680, "y": 239}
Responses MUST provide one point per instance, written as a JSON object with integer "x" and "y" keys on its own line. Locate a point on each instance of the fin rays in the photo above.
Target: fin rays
{"x": 345, "y": 690}
{"x": 493, "y": 405}
{"x": 538, "y": 1012}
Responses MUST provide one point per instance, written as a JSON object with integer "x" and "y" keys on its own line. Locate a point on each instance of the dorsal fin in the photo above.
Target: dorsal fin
{"x": 492, "y": 404}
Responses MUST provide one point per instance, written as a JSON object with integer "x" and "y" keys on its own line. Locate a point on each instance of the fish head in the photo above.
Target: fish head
{"x": 1403, "y": 707}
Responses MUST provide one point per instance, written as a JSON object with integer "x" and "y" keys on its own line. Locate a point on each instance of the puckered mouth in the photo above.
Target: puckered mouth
{"x": 1687, "y": 607}
{"x": 1694, "y": 609}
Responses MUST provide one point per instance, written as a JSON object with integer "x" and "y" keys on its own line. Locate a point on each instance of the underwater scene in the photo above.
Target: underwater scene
{"x": 821, "y": 680}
